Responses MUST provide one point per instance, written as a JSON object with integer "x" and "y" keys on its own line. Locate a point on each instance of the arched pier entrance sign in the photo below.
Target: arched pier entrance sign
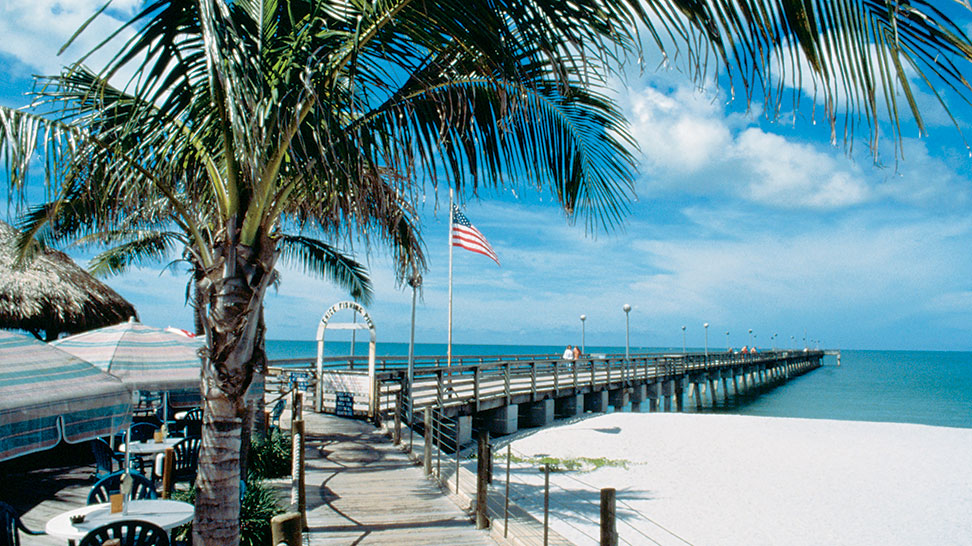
{"x": 344, "y": 389}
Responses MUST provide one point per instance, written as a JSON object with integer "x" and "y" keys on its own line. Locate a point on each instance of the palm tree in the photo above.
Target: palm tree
{"x": 249, "y": 114}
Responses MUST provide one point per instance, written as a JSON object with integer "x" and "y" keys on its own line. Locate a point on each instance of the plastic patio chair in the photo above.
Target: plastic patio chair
{"x": 143, "y": 431}
{"x": 105, "y": 458}
{"x": 131, "y": 532}
{"x": 11, "y": 526}
{"x": 142, "y": 487}
{"x": 186, "y": 460}
{"x": 191, "y": 424}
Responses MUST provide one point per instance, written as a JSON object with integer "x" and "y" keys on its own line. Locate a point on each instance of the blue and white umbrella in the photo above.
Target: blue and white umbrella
{"x": 48, "y": 395}
{"x": 143, "y": 357}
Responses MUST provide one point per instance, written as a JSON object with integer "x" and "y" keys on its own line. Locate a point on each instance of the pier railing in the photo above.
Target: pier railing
{"x": 485, "y": 381}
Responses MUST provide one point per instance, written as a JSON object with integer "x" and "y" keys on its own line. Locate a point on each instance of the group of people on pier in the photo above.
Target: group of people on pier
{"x": 571, "y": 353}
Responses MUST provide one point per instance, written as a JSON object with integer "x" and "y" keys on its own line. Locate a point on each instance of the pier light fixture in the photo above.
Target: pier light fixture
{"x": 750, "y": 337}
{"x": 627, "y": 314}
{"x": 583, "y": 319}
{"x": 706, "y": 326}
{"x": 793, "y": 341}
{"x": 683, "y": 340}
{"x": 728, "y": 347}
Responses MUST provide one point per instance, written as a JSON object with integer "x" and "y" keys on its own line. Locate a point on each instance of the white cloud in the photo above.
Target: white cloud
{"x": 34, "y": 30}
{"x": 787, "y": 174}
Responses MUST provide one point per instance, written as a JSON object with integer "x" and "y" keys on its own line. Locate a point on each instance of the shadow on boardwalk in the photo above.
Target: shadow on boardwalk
{"x": 361, "y": 489}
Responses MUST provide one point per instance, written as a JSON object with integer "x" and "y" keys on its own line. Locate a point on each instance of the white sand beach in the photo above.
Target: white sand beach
{"x": 739, "y": 480}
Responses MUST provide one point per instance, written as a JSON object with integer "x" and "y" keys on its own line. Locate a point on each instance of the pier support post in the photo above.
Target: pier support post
{"x": 596, "y": 402}
{"x": 618, "y": 398}
{"x": 679, "y": 394}
{"x": 535, "y": 414}
{"x": 638, "y": 395}
{"x": 569, "y": 406}
{"x": 735, "y": 383}
{"x": 500, "y": 421}
{"x": 712, "y": 390}
{"x": 697, "y": 389}
{"x": 654, "y": 395}
{"x": 725, "y": 387}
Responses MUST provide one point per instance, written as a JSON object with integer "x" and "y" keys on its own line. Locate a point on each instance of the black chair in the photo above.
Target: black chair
{"x": 141, "y": 432}
{"x": 142, "y": 487}
{"x": 131, "y": 532}
{"x": 192, "y": 423}
{"x": 105, "y": 458}
{"x": 11, "y": 526}
{"x": 186, "y": 460}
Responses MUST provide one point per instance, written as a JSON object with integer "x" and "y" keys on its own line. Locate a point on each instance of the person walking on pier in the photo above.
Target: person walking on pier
{"x": 577, "y": 353}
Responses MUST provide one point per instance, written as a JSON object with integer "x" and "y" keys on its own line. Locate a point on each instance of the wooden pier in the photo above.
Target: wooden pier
{"x": 504, "y": 393}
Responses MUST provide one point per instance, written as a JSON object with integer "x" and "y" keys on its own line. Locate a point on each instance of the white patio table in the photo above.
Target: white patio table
{"x": 167, "y": 514}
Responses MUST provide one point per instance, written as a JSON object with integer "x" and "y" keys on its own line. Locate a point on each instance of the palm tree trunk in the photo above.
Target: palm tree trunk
{"x": 237, "y": 283}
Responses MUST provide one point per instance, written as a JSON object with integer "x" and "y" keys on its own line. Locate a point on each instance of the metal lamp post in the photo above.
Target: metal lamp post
{"x": 415, "y": 281}
{"x": 706, "y": 326}
{"x": 583, "y": 319}
{"x": 728, "y": 347}
{"x": 627, "y": 315}
{"x": 750, "y": 337}
{"x": 683, "y": 340}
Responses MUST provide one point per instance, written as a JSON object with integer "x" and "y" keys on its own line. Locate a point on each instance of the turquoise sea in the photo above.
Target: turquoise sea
{"x": 924, "y": 387}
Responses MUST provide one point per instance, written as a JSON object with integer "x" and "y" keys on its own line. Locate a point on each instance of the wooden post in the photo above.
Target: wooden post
{"x": 168, "y": 468}
{"x": 397, "y": 438}
{"x": 427, "y": 459}
{"x": 546, "y": 504}
{"x": 286, "y": 528}
{"x": 482, "y": 469}
{"x": 506, "y": 508}
{"x": 609, "y": 532}
{"x": 298, "y": 412}
{"x": 298, "y": 497}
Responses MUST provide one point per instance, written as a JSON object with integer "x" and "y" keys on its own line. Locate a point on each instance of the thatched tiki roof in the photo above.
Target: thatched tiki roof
{"x": 51, "y": 294}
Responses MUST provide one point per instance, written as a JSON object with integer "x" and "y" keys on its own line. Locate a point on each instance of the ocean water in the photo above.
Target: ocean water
{"x": 923, "y": 387}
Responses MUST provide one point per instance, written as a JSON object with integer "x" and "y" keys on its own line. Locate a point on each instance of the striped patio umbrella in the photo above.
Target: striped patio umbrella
{"x": 47, "y": 395}
{"x": 143, "y": 357}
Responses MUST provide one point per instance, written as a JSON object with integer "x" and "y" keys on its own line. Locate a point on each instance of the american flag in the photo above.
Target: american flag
{"x": 464, "y": 235}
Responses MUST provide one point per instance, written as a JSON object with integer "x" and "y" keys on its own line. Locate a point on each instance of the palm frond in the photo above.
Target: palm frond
{"x": 322, "y": 260}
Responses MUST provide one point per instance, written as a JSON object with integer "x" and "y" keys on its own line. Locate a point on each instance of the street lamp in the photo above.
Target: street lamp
{"x": 683, "y": 340}
{"x": 750, "y": 337}
{"x": 415, "y": 281}
{"x": 774, "y": 342}
{"x": 583, "y": 318}
{"x": 706, "y": 326}
{"x": 793, "y": 341}
{"x": 627, "y": 314}
{"x": 728, "y": 347}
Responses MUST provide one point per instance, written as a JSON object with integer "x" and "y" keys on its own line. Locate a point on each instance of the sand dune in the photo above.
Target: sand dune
{"x": 739, "y": 480}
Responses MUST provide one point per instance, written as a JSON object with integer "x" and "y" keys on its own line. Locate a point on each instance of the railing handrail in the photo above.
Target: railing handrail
{"x": 488, "y": 363}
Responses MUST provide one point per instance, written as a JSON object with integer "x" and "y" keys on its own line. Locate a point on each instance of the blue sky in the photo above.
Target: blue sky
{"x": 739, "y": 222}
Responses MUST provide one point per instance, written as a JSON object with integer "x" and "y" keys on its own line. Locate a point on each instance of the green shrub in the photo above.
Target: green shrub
{"x": 270, "y": 457}
{"x": 258, "y": 506}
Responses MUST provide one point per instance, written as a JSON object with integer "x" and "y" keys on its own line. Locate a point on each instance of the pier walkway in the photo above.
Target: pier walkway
{"x": 361, "y": 489}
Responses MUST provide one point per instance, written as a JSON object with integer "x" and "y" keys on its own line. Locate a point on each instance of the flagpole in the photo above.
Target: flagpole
{"x": 449, "y": 346}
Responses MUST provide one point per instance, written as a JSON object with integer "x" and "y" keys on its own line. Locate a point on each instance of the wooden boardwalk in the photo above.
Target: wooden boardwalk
{"x": 361, "y": 489}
